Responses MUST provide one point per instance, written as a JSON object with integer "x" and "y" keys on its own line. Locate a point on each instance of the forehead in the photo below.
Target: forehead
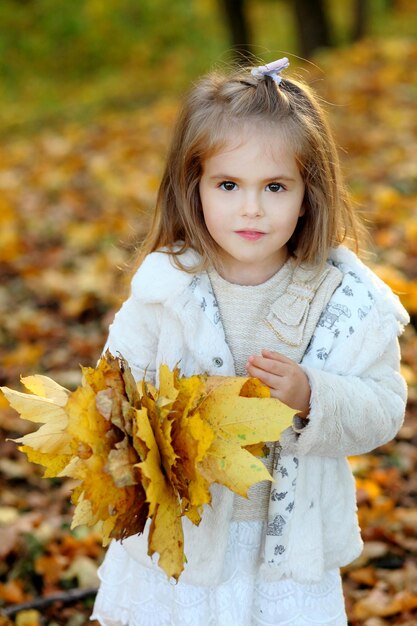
{"x": 265, "y": 146}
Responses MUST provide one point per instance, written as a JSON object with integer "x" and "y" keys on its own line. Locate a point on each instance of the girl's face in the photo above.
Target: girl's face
{"x": 252, "y": 194}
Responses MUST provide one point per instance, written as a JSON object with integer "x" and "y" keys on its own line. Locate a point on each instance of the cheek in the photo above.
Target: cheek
{"x": 213, "y": 211}
{"x": 205, "y": 199}
{"x": 207, "y": 210}
{"x": 212, "y": 220}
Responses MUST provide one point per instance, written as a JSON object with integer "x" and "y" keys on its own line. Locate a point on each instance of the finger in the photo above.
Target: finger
{"x": 276, "y": 356}
{"x": 268, "y": 365}
{"x": 267, "y": 378}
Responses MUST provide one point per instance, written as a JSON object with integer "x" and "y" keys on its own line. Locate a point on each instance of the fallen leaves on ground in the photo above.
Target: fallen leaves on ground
{"x": 73, "y": 200}
{"x": 371, "y": 88}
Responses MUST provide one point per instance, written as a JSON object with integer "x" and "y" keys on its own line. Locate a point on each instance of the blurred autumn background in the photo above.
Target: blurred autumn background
{"x": 89, "y": 91}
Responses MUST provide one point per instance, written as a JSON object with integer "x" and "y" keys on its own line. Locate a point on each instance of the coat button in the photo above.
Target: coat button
{"x": 217, "y": 361}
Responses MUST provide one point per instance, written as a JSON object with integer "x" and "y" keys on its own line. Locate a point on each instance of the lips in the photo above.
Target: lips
{"x": 250, "y": 235}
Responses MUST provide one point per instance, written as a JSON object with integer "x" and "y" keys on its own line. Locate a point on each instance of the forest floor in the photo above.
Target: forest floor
{"x": 74, "y": 200}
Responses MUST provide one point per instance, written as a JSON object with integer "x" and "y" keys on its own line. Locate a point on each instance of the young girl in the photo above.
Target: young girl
{"x": 243, "y": 273}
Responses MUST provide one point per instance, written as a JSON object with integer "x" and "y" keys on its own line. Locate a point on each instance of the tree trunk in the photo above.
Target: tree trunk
{"x": 313, "y": 27}
{"x": 234, "y": 11}
{"x": 360, "y": 20}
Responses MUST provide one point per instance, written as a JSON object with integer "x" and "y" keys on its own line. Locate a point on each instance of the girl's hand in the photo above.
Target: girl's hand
{"x": 285, "y": 378}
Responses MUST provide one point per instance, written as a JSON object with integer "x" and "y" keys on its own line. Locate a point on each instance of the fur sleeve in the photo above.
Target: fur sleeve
{"x": 352, "y": 414}
{"x": 134, "y": 335}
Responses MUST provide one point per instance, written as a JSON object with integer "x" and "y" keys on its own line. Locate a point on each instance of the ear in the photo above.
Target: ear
{"x": 302, "y": 211}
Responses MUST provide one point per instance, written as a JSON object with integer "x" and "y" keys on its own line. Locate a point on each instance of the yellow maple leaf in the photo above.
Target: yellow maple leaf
{"x": 46, "y": 388}
{"x": 45, "y": 406}
{"x": 165, "y": 535}
{"x": 103, "y": 460}
{"x": 141, "y": 453}
{"x": 192, "y": 437}
{"x": 232, "y": 466}
{"x": 208, "y": 424}
{"x": 241, "y": 421}
{"x": 54, "y": 464}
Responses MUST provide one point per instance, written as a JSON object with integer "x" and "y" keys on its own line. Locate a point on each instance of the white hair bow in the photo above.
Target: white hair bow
{"x": 272, "y": 69}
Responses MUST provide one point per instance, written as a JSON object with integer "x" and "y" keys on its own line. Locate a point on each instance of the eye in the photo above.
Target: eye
{"x": 227, "y": 185}
{"x": 275, "y": 187}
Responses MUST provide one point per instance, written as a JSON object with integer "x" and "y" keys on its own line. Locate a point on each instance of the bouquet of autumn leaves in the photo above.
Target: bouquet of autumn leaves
{"x": 140, "y": 452}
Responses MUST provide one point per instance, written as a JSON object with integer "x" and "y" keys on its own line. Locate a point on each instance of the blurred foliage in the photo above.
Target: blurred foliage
{"x": 72, "y": 59}
{"x": 76, "y": 197}
{"x": 58, "y": 56}
{"x": 83, "y": 37}
{"x": 88, "y": 99}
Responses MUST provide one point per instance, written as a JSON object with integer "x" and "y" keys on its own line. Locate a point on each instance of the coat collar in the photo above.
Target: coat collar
{"x": 387, "y": 303}
{"x": 297, "y": 309}
{"x": 172, "y": 281}
{"x": 163, "y": 279}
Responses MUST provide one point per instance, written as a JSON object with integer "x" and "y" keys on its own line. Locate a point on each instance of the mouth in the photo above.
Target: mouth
{"x": 250, "y": 235}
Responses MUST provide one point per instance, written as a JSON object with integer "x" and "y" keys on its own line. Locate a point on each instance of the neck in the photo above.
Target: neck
{"x": 248, "y": 275}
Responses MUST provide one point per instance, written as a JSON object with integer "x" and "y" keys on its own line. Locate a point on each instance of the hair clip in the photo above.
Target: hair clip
{"x": 272, "y": 69}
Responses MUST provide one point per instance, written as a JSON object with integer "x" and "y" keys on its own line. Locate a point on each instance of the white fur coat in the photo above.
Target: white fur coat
{"x": 357, "y": 403}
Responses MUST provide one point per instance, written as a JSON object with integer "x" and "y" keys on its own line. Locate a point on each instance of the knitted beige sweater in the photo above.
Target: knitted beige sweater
{"x": 243, "y": 310}
{"x": 280, "y": 314}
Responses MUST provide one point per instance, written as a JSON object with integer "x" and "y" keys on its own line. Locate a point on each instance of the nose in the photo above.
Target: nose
{"x": 251, "y": 205}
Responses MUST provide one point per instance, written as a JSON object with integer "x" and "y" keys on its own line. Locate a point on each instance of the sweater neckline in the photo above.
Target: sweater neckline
{"x": 284, "y": 273}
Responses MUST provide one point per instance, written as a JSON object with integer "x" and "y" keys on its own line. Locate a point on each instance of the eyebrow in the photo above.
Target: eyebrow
{"x": 266, "y": 180}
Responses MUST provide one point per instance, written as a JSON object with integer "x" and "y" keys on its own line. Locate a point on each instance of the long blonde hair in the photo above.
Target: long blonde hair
{"x": 220, "y": 103}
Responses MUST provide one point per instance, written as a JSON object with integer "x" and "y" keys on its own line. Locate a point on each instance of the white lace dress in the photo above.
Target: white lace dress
{"x": 133, "y": 595}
